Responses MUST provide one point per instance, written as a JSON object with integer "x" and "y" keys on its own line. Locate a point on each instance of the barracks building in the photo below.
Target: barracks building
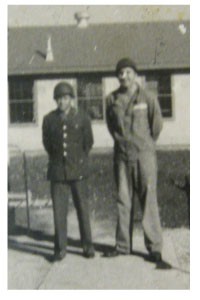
{"x": 85, "y": 56}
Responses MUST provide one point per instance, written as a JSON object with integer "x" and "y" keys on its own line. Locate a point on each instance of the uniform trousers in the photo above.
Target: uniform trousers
{"x": 60, "y": 196}
{"x": 138, "y": 178}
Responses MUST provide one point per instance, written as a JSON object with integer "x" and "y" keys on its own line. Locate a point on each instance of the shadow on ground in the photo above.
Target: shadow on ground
{"x": 41, "y": 244}
{"x": 45, "y": 249}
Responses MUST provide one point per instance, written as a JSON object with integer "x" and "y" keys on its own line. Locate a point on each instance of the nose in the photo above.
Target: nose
{"x": 122, "y": 75}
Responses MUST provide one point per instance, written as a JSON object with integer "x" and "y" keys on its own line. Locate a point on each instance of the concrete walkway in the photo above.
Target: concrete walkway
{"x": 30, "y": 266}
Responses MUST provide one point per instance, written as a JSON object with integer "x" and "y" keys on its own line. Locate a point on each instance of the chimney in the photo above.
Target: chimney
{"x": 49, "y": 53}
{"x": 82, "y": 18}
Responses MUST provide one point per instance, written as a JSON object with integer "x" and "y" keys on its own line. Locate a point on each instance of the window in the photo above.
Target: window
{"x": 21, "y": 102}
{"x": 90, "y": 96}
{"x": 160, "y": 84}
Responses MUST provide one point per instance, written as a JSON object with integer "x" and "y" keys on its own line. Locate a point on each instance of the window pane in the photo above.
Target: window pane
{"x": 90, "y": 96}
{"x": 160, "y": 85}
{"x": 21, "y": 100}
{"x": 82, "y": 86}
{"x": 20, "y": 89}
{"x": 21, "y": 113}
{"x": 164, "y": 86}
{"x": 96, "y": 109}
{"x": 93, "y": 107}
{"x": 83, "y": 104}
{"x": 165, "y": 103}
{"x": 152, "y": 86}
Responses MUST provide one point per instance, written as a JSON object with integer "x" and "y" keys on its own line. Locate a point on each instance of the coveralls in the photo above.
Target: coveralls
{"x": 135, "y": 123}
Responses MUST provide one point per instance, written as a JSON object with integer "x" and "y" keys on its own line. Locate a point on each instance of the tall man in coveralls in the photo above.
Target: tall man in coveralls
{"x": 67, "y": 138}
{"x": 134, "y": 120}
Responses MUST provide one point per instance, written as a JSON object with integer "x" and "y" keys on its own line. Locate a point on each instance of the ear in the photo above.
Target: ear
{"x": 72, "y": 102}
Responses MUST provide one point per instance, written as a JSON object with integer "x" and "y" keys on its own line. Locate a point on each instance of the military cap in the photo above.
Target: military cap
{"x": 63, "y": 88}
{"x": 125, "y": 63}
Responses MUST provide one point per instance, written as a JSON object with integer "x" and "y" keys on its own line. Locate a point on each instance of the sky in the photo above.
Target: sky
{"x": 41, "y": 15}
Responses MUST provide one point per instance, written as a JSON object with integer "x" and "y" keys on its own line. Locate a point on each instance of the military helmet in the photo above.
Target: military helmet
{"x": 63, "y": 88}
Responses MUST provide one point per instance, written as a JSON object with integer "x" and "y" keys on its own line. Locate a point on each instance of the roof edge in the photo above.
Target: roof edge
{"x": 95, "y": 69}
{"x": 98, "y": 24}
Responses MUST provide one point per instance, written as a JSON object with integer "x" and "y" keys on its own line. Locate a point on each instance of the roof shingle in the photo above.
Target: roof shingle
{"x": 98, "y": 47}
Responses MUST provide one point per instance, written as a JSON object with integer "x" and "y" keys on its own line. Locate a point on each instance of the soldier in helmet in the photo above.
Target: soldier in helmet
{"x": 68, "y": 138}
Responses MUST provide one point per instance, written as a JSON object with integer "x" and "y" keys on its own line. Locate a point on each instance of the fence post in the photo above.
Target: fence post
{"x": 26, "y": 190}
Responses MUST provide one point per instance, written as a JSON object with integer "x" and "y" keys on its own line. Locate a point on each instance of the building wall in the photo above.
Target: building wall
{"x": 176, "y": 130}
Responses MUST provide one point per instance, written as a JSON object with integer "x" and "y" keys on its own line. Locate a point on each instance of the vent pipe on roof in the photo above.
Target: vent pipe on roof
{"x": 49, "y": 53}
{"x": 82, "y": 18}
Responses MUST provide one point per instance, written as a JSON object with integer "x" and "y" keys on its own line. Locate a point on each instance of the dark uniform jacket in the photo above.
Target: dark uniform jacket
{"x": 67, "y": 140}
{"x": 134, "y": 122}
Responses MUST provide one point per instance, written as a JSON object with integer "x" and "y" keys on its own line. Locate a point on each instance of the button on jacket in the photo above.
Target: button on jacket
{"x": 67, "y": 140}
{"x": 134, "y": 123}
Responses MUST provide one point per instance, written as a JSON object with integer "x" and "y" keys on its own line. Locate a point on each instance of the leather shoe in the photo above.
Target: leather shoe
{"x": 163, "y": 265}
{"x": 155, "y": 257}
{"x": 89, "y": 253}
{"x": 160, "y": 263}
{"x": 113, "y": 253}
{"x": 58, "y": 256}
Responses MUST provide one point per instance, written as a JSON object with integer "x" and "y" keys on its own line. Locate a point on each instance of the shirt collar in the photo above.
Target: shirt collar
{"x": 64, "y": 116}
{"x": 130, "y": 93}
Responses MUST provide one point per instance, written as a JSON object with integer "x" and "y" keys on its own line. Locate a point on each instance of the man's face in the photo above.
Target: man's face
{"x": 64, "y": 102}
{"x": 127, "y": 77}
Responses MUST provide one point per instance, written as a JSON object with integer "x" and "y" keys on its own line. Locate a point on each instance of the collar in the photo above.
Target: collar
{"x": 64, "y": 116}
{"x": 131, "y": 94}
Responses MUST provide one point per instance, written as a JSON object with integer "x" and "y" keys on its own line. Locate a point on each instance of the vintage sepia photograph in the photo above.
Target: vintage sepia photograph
{"x": 98, "y": 147}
